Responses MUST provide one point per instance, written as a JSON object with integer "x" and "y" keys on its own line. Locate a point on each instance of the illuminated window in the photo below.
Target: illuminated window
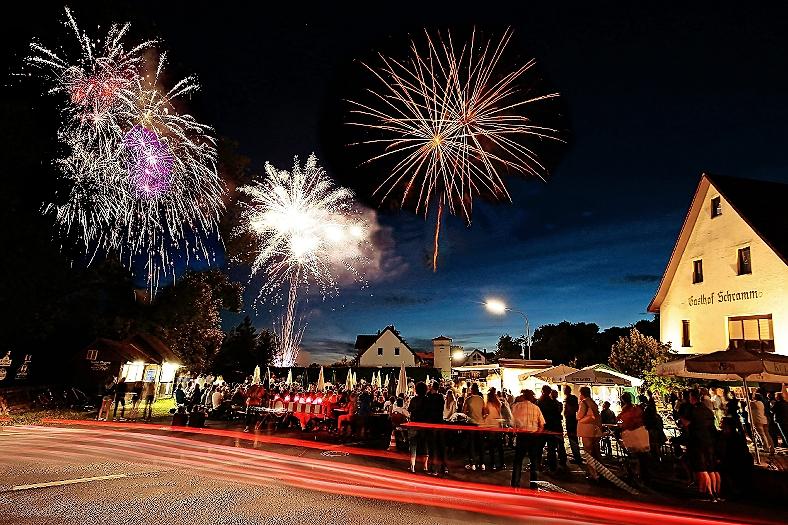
{"x": 753, "y": 332}
{"x": 133, "y": 372}
{"x": 716, "y": 207}
{"x": 697, "y": 271}
{"x": 685, "y": 334}
{"x": 745, "y": 263}
{"x": 380, "y": 351}
{"x": 92, "y": 355}
{"x": 396, "y": 351}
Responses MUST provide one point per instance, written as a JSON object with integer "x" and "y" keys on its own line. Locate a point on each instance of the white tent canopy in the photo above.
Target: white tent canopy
{"x": 590, "y": 376}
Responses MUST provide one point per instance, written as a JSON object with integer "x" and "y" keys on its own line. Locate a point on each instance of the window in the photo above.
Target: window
{"x": 716, "y": 207}
{"x": 380, "y": 351}
{"x": 753, "y": 332}
{"x": 132, "y": 372}
{"x": 745, "y": 263}
{"x": 396, "y": 351}
{"x": 685, "y": 334}
{"x": 697, "y": 271}
{"x": 92, "y": 355}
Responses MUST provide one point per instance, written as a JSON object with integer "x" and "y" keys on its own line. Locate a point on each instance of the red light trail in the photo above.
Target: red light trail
{"x": 249, "y": 465}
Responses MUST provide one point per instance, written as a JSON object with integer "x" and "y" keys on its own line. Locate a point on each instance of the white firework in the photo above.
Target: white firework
{"x": 155, "y": 203}
{"x": 307, "y": 234}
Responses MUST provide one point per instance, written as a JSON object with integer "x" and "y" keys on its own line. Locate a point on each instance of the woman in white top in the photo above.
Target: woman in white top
{"x": 450, "y": 405}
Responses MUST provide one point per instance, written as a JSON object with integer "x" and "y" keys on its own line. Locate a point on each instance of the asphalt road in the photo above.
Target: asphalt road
{"x": 87, "y": 475}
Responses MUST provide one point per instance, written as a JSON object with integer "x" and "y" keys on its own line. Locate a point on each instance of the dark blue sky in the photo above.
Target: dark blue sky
{"x": 651, "y": 97}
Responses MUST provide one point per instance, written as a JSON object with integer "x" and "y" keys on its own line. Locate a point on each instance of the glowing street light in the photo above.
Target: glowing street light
{"x": 459, "y": 355}
{"x": 498, "y": 307}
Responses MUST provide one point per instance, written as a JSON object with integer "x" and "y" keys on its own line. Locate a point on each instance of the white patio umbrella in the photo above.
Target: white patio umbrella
{"x": 256, "y": 375}
{"x": 594, "y": 377}
{"x": 402, "y": 382}
{"x": 321, "y": 382}
{"x": 289, "y": 379}
{"x": 355, "y": 380}
{"x": 379, "y": 381}
{"x": 349, "y": 380}
{"x": 730, "y": 365}
{"x": 388, "y": 380}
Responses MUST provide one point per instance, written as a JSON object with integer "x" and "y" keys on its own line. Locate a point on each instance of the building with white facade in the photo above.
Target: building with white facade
{"x": 386, "y": 348}
{"x": 726, "y": 284}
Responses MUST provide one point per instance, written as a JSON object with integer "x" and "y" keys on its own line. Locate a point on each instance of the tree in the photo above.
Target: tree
{"x": 638, "y": 354}
{"x": 187, "y": 317}
{"x": 242, "y": 349}
{"x": 565, "y": 342}
{"x": 509, "y": 348}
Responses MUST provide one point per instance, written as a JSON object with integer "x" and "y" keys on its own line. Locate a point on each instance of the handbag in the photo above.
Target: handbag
{"x": 636, "y": 440}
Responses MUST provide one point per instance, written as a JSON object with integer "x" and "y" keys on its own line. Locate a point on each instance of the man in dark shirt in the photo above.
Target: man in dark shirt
{"x": 571, "y": 406}
{"x": 363, "y": 410}
{"x": 435, "y": 438}
{"x": 551, "y": 410}
{"x": 419, "y": 413}
{"x": 120, "y": 398}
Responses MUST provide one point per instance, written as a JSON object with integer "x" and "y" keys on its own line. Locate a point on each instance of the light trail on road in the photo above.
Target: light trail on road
{"x": 253, "y": 466}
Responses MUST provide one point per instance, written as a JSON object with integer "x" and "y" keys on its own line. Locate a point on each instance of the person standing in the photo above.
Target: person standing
{"x": 589, "y": 429}
{"x": 608, "y": 421}
{"x": 551, "y": 410}
{"x": 120, "y": 399}
{"x": 634, "y": 434}
{"x": 570, "y": 416}
{"x": 698, "y": 419}
{"x": 449, "y": 405}
{"x": 530, "y": 423}
{"x": 493, "y": 420}
{"x": 136, "y": 399}
{"x": 761, "y": 423}
{"x": 437, "y": 438}
{"x": 474, "y": 408}
{"x": 419, "y": 413}
{"x": 781, "y": 417}
{"x": 106, "y": 401}
{"x": 148, "y": 393}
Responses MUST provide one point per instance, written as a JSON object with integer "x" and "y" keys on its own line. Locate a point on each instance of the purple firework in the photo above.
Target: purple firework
{"x": 150, "y": 162}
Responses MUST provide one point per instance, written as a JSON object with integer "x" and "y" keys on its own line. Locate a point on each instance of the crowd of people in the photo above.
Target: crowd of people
{"x": 713, "y": 426}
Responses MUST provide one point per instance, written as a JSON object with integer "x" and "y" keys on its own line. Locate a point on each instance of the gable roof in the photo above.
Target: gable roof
{"x": 753, "y": 200}
{"x": 141, "y": 347}
{"x": 441, "y": 338}
{"x": 365, "y": 342}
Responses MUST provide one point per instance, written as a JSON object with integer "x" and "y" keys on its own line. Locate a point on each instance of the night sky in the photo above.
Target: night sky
{"x": 650, "y": 98}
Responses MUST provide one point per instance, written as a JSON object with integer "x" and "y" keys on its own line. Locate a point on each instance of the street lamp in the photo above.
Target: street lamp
{"x": 498, "y": 307}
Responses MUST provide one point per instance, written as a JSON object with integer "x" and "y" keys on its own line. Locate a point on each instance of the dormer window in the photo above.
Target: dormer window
{"x": 716, "y": 207}
{"x": 745, "y": 263}
{"x": 697, "y": 271}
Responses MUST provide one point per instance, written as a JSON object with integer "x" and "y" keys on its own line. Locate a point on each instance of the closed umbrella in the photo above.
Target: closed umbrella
{"x": 321, "y": 382}
{"x": 256, "y": 375}
{"x": 402, "y": 382}
{"x": 289, "y": 379}
{"x": 349, "y": 380}
{"x": 730, "y": 365}
{"x": 355, "y": 379}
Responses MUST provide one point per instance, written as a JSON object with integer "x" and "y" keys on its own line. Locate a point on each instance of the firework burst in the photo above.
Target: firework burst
{"x": 452, "y": 125}
{"x": 141, "y": 176}
{"x": 307, "y": 233}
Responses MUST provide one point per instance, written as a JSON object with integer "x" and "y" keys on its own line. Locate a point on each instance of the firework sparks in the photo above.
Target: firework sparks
{"x": 150, "y": 162}
{"x": 307, "y": 232}
{"x": 141, "y": 176}
{"x": 452, "y": 125}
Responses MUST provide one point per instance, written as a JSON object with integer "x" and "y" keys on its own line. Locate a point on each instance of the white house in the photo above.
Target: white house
{"x": 475, "y": 358}
{"x": 726, "y": 284}
{"x": 387, "y": 348}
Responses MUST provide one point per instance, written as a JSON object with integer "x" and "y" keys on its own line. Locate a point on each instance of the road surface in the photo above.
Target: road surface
{"x": 107, "y": 476}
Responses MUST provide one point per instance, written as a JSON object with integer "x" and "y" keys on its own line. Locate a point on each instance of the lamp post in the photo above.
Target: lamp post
{"x": 498, "y": 307}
